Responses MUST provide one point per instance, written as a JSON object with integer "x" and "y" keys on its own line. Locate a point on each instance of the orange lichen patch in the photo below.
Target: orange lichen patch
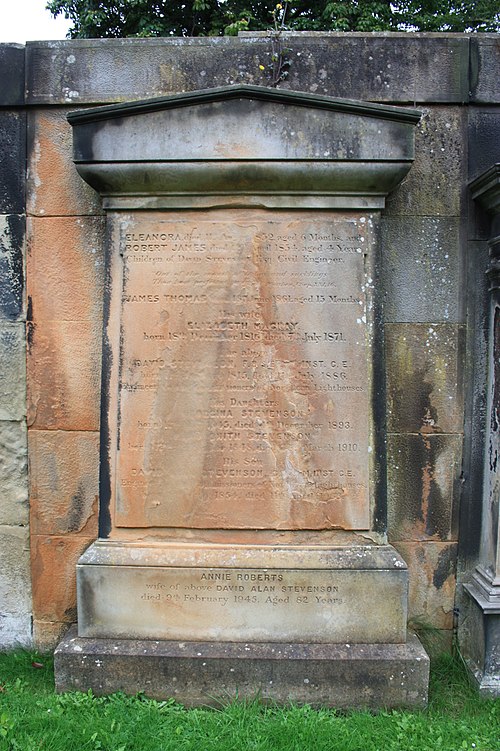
{"x": 64, "y": 375}
{"x": 432, "y": 581}
{"x": 54, "y": 186}
{"x": 53, "y": 569}
{"x": 64, "y": 469}
{"x": 65, "y": 268}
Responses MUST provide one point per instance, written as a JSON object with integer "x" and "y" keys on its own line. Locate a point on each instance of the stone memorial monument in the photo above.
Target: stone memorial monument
{"x": 242, "y": 542}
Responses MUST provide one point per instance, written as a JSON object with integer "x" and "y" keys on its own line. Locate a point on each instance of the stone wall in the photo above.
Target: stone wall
{"x": 15, "y": 588}
{"x": 434, "y": 250}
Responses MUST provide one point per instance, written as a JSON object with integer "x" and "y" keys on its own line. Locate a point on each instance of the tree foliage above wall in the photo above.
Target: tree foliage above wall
{"x": 144, "y": 18}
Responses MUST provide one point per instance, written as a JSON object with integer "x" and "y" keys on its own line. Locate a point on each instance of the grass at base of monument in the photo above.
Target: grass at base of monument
{"x": 33, "y": 717}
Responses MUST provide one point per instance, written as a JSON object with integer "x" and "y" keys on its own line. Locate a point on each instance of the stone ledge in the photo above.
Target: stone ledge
{"x": 209, "y": 673}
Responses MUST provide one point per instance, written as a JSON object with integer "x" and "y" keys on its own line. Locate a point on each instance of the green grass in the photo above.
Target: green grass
{"x": 33, "y": 717}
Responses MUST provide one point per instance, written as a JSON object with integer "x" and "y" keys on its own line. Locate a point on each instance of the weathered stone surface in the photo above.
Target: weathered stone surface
{"x": 244, "y": 394}
{"x": 12, "y": 231}
{"x": 242, "y": 593}
{"x": 64, "y": 375}
{"x": 65, "y": 269}
{"x": 15, "y": 587}
{"x": 11, "y": 74}
{"x": 201, "y": 673}
{"x": 48, "y": 634}
{"x": 12, "y": 371}
{"x": 13, "y": 473}
{"x": 434, "y": 185}
{"x": 475, "y": 377}
{"x": 256, "y": 142}
{"x": 485, "y": 59}
{"x": 421, "y": 269}
{"x": 12, "y": 174}
{"x": 424, "y": 378}
{"x": 54, "y": 187}
{"x": 422, "y": 477}
{"x": 484, "y": 140}
{"x": 64, "y": 482}
{"x": 53, "y": 573}
{"x": 431, "y": 567}
{"x": 395, "y": 67}
{"x": 479, "y": 637}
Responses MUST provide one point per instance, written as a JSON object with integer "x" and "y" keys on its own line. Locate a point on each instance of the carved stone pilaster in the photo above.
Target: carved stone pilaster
{"x": 479, "y": 634}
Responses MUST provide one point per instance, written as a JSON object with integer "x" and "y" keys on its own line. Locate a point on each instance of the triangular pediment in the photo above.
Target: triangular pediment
{"x": 249, "y": 126}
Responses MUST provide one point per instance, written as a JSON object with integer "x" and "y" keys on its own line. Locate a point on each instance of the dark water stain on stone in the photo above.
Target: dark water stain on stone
{"x": 445, "y": 567}
{"x": 78, "y": 513}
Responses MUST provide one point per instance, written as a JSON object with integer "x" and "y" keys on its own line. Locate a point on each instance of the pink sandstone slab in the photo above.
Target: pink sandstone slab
{"x": 241, "y": 377}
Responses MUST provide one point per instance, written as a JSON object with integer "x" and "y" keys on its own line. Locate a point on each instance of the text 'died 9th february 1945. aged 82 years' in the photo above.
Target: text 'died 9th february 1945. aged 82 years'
{"x": 244, "y": 385}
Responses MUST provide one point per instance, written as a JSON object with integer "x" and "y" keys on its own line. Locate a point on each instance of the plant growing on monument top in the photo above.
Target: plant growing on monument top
{"x": 277, "y": 69}
{"x": 142, "y": 18}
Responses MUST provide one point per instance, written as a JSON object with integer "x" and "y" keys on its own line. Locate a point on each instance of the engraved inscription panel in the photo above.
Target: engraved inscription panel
{"x": 244, "y": 604}
{"x": 244, "y": 371}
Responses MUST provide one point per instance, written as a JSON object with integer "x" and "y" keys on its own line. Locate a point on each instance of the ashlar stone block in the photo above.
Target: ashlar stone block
{"x": 13, "y": 473}
{"x": 12, "y": 371}
{"x": 15, "y": 587}
{"x": 434, "y": 185}
{"x": 424, "y": 378}
{"x": 12, "y": 175}
{"x": 53, "y": 185}
{"x": 431, "y": 568}
{"x": 201, "y": 673}
{"x": 64, "y": 468}
{"x": 421, "y": 269}
{"x": 12, "y": 231}
{"x": 53, "y": 568}
{"x": 66, "y": 269}
{"x": 423, "y": 476}
{"x": 63, "y": 390}
{"x": 375, "y": 67}
{"x": 485, "y": 56}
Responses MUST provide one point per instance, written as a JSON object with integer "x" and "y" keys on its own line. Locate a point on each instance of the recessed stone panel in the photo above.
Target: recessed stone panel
{"x": 12, "y": 74}
{"x": 244, "y": 396}
{"x": 484, "y": 140}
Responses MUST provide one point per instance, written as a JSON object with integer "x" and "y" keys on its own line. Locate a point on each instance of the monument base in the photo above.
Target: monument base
{"x": 370, "y": 676}
{"x": 479, "y": 633}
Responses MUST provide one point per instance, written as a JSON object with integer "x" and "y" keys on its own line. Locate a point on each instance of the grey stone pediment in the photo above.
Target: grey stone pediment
{"x": 243, "y": 141}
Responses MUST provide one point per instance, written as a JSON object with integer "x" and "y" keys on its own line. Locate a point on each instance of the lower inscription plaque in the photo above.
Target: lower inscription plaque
{"x": 244, "y": 604}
